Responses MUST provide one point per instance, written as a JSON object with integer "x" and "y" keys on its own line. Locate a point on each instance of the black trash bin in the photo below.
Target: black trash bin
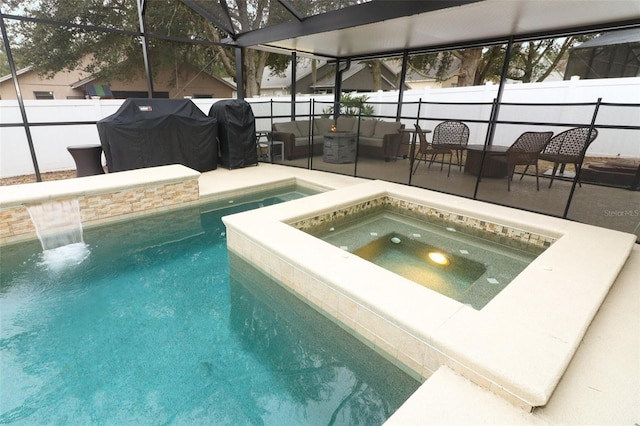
{"x": 158, "y": 132}
{"x": 236, "y": 133}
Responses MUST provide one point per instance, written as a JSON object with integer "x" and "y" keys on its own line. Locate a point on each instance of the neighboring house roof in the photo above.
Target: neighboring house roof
{"x": 328, "y": 81}
{"x": 18, "y": 72}
{"x": 326, "y": 75}
{"x": 270, "y": 80}
{"x": 84, "y": 81}
{"x": 76, "y": 83}
{"x": 92, "y": 77}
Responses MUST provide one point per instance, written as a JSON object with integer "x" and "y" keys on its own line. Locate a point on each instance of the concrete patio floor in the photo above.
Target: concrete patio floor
{"x": 608, "y": 207}
{"x": 602, "y": 382}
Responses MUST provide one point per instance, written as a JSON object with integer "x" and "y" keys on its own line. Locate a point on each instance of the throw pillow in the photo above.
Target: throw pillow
{"x": 367, "y": 127}
{"x": 288, "y": 127}
{"x": 385, "y": 128}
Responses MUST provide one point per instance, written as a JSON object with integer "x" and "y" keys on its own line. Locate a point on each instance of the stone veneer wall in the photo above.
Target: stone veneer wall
{"x": 16, "y": 224}
{"x": 502, "y": 234}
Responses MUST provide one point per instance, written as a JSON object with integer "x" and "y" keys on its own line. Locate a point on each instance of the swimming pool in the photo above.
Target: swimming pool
{"x": 155, "y": 327}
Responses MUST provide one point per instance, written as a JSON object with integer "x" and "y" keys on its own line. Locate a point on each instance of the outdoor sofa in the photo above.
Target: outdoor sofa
{"x": 376, "y": 138}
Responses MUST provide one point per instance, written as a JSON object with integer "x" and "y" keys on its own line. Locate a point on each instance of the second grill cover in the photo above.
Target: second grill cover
{"x": 236, "y": 133}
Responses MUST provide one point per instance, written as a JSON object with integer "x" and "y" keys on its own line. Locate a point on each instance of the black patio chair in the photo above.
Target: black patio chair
{"x": 524, "y": 152}
{"x": 568, "y": 147}
{"x": 428, "y": 150}
{"x": 453, "y": 135}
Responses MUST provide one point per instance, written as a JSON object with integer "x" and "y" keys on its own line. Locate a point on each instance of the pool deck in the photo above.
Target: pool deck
{"x": 600, "y": 386}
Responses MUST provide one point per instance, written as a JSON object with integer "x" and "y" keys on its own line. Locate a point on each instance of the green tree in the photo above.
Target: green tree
{"x": 4, "y": 62}
{"x": 52, "y": 48}
{"x": 352, "y": 105}
{"x": 531, "y": 61}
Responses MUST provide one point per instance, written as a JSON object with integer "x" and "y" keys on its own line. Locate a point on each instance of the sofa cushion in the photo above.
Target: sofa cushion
{"x": 386, "y": 127}
{"x": 288, "y": 127}
{"x": 367, "y": 128}
{"x": 347, "y": 124}
{"x": 302, "y": 141}
{"x": 303, "y": 127}
{"x": 322, "y": 125}
{"x": 376, "y": 142}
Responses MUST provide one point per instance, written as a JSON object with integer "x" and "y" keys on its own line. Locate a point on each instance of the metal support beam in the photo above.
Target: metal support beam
{"x": 145, "y": 46}
{"x": 293, "y": 84}
{"x": 239, "y": 73}
{"x": 23, "y": 111}
{"x": 403, "y": 76}
{"x": 227, "y": 28}
{"x": 495, "y": 110}
{"x": 503, "y": 79}
{"x": 338, "y": 87}
{"x": 292, "y": 10}
{"x": 576, "y": 178}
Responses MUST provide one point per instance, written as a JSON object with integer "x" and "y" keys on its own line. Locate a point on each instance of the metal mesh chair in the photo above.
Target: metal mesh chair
{"x": 428, "y": 150}
{"x": 524, "y": 152}
{"x": 453, "y": 135}
{"x": 568, "y": 147}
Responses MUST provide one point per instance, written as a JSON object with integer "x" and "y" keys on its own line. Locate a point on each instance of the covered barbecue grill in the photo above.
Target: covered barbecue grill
{"x": 236, "y": 133}
{"x": 157, "y": 132}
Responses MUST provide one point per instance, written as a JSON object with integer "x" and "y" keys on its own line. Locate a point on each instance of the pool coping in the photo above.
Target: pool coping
{"x": 518, "y": 346}
{"x": 37, "y": 192}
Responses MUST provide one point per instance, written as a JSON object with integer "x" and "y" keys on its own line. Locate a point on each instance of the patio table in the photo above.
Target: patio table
{"x": 87, "y": 159}
{"x": 491, "y": 167}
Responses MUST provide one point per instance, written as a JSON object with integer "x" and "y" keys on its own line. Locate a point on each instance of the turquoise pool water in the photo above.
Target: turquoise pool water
{"x": 152, "y": 323}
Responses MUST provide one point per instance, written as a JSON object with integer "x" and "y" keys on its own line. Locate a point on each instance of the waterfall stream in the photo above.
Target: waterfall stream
{"x": 57, "y": 223}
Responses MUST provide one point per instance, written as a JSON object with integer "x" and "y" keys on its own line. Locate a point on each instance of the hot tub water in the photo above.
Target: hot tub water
{"x": 464, "y": 267}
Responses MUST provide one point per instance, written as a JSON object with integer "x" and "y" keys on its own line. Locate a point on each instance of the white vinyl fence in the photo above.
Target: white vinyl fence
{"x": 50, "y": 142}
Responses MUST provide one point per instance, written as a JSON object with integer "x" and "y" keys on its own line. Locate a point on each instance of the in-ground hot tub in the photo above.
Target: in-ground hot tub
{"x": 518, "y": 345}
{"x": 468, "y": 260}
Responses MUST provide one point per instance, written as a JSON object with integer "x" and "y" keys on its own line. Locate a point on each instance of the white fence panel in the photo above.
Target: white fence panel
{"x": 50, "y": 142}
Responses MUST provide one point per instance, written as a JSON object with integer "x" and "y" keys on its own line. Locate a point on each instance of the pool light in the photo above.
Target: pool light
{"x": 438, "y": 258}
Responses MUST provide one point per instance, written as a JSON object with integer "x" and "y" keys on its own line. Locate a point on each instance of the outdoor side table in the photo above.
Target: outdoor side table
{"x": 265, "y": 148}
{"x": 87, "y": 159}
{"x": 491, "y": 167}
{"x": 339, "y": 147}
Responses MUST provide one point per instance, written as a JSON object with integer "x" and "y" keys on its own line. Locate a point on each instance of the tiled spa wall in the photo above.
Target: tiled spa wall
{"x": 16, "y": 224}
{"x": 511, "y": 237}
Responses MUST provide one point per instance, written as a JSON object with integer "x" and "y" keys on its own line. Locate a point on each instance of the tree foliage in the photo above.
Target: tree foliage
{"x": 52, "y": 48}
{"x": 530, "y": 61}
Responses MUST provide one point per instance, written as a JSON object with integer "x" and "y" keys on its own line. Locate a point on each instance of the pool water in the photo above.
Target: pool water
{"x": 151, "y": 322}
{"x": 472, "y": 270}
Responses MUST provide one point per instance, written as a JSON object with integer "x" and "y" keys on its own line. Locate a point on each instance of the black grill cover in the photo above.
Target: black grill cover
{"x": 157, "y": 132}
{"x": 236, "y": 133}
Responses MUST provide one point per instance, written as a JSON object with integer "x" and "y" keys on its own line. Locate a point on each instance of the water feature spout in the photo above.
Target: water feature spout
{"x": 57, "y": 223}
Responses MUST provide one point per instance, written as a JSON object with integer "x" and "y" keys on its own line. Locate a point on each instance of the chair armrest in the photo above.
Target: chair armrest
{"x": 287, "y": 138}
